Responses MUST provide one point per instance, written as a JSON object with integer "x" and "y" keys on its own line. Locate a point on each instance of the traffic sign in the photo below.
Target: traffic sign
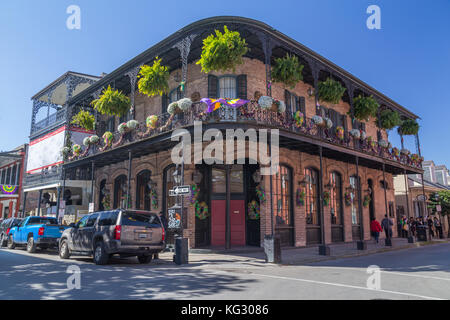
{"x": 179, "y": 191}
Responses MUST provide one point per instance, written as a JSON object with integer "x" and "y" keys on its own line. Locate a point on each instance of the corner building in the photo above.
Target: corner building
{"x": 326, "y": 189}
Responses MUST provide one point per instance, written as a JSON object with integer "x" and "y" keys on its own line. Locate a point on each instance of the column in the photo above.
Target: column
{"x": 129, "y": 180}
{"x": 361, "y": 245}
{"x": 323, "y": 248}
{"x": 227, "y": 208}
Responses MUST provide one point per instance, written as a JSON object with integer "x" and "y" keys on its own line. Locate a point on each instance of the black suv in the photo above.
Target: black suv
{"x": 5, "y": 226}
{"x": 124, "y": 232}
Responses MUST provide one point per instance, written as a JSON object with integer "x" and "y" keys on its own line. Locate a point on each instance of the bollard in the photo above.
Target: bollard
{"x": 272, "y": 249}
{"x": 181, "y": 251}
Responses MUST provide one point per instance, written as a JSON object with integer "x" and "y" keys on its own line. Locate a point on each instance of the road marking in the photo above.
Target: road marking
{"x": 347, "y": 286}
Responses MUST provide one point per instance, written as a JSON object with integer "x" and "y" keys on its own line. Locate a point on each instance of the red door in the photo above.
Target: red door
{"x": 218, "y": 220}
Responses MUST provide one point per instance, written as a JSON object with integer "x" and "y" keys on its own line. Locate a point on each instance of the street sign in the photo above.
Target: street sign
{"x": 179, "y": 191}
{"x": 174, "y": 214}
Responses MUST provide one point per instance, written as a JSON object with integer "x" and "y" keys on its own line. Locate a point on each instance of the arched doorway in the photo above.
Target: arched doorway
{"x": 336, "y": 208}
{"x": 120, "y": 192}
{"x": 143, "y": 185}
{"x": 354, "y": 197}
{"x": 282, "y": 200}
{"x": 313, "y": 229}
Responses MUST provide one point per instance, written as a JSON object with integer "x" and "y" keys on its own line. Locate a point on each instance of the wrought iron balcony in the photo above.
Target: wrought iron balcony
{"x": 51, "y": 121}
{"x": 251, "y": 113}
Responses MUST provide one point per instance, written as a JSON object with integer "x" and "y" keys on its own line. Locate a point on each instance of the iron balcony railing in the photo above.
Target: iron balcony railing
{"x": 53, "y": 120}
{"x": 250, "y": 113}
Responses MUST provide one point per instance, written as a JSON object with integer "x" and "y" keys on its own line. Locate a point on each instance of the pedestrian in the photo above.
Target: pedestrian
{"x": 375, "y": 228}
{"x": 404, "y": 227}
{"x": 430, "y": 227}
{"x": 387, "y": 224}
{"x": 412, "y": 226}
{"x": 437, "y": 227}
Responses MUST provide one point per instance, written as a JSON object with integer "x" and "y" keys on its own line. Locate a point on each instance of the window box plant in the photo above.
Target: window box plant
{"x": 112, "y": 102}
{"x": 84, "y": 119}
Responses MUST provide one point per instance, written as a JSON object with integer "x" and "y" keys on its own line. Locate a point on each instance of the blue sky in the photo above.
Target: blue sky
{"x": 408, "y": 59}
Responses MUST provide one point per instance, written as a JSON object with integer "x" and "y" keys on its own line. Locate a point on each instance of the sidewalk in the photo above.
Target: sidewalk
{"x": 292, "y": 256}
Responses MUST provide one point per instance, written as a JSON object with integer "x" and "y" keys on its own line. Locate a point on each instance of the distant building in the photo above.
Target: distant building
{"x": 436, "y": 173}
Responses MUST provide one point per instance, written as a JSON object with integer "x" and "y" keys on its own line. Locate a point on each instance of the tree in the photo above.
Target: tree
{"x": 441, "y": 198}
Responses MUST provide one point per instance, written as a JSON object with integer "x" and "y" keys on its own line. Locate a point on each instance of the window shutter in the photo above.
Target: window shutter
{"x": 302, "y": 105}
{"x": 287, "y": 101}
{"x": 212, "y": 86}
{"x": 242, "y": 86}
{"x": 164, "y": 102}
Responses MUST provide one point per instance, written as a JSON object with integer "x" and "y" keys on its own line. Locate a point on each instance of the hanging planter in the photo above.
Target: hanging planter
{"x": 94, "y": 139}
{"x": 222, "y": 51}
{"x": 365, "y": 107}
{"x": 383, "y": 143}
{"x": 122, "y": 128}
{"x": 152, "y": 121}
{"x": 265, "y": 102}
{"x": 330, "y": 91}
{"x": 154, "y": 79}
{"x": 184, "y": 104}
{"x": 318, "y": 121}
{"x": 408, "y": 127}
{"x": 328, "y": 123}
{"x": 108, "y": 138}
{"x": 132, "y": 124}
{"x": 84, "y": 119}
{"x": 287, "y": 70}
{"x": 76, "y": 150}
{"x": 112, "y": 102}
{"x": 389, "y": 119}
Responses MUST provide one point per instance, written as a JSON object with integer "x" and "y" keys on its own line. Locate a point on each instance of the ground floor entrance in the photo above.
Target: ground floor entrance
{"x": 228, "y": 193}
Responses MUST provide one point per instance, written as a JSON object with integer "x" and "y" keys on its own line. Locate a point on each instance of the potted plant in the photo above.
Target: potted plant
{"x": 408, "y": 127}
{"x": 222, "y": 51}
{"x": 383, "y": 143}
{"x": 355, "y": 133}
{"x": 328, "y": 123}
{"x": 152, "y": 121}
{"x": 184, "y": 104}
{"x": 154, "y": 79}
{"x": 112, "y": 102}
{"x": 330, "y": 90}
{"x": 84, "y": 119}
{"x": 389, "y": 119}
{"x": 318, "y": 121}
{"x": 265, "y": 102}
{"x": 365, "y": 107}
{"x": 287, "y": 70}
{"x": 173, "y": 108}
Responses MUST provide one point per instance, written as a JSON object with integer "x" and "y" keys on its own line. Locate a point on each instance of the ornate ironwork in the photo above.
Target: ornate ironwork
{"x": 184, "y": 46}
{"x": 132, "y": 74}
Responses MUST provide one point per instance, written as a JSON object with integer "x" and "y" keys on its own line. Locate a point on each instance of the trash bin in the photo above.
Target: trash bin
{"x": 422, "y": 233}
{"x": 181, "y": 251}
{"x": 272, "y": 248}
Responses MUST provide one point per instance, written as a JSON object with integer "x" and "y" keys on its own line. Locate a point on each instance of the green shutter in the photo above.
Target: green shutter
{"x": 242, "y": 86}
{"x": 212, "y": 86}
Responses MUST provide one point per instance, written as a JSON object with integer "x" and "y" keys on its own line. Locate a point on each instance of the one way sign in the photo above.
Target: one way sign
{"x": 179, "y": 191}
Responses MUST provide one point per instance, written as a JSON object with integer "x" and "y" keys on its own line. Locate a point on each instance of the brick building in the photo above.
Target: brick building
{"x": 325, "y": 190}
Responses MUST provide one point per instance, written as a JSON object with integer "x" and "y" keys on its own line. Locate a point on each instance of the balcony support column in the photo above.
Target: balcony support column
{"x": 129, "y": 181}
{"x": 39, "y": 203}
{"x": 361, "y": 245}
{"x": 324, "y": 250}
{"x": 92, "y": 181}
{"x": 24, "y": 205}
{"x": 384, "y": 188}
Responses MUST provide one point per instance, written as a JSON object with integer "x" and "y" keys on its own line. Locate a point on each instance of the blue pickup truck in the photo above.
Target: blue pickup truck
{"x": 34, "y": 231}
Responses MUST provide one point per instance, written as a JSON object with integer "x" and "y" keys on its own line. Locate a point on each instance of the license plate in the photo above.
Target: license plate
{"x": 142, "y": 236}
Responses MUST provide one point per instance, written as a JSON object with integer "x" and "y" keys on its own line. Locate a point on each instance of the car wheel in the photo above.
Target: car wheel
{"x": 64, "y": 250}
{"x": 145, "y": 259}
{"x": 31, "y": 245}
{"x": 11, "y": 244}
{"x": 100, "y": 255}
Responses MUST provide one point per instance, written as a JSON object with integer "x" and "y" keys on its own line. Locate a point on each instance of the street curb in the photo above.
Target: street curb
{"x": 381, "y": 250}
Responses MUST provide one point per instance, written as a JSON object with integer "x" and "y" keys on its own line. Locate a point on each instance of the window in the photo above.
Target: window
{"x": 82, "y": 222}
{"x": 354, "y": 200}
{"x": 336, "y": 198}
{"x": 311, "y": 196}
{"x": 91, "y": 220}
{"x": 218, "y": 180}
{"x": 110, "y": 124}
{"x": 281, "y": 183}
{"x": 108, "y": 218}
{"x": 120, "y": 192}
{"x": 143, "y": 190}
{"x": 140, "y": 220}
{"x": 227, "y": 87}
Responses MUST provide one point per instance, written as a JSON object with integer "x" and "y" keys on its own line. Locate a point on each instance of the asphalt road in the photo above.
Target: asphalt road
{"x": 418, "y": 273}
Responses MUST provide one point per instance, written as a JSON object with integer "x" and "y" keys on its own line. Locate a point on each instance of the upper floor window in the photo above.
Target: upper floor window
{"x": 175, "y": 95}
{"x": 227, "y": 87}
{"x": 294, "y": 103}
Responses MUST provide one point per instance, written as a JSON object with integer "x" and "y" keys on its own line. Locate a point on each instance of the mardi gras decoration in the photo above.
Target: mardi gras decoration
{"x": 154, "y": 197}
{"x": 106, "y": 202}
{"x": 348, "y": 199}
{"x": 214, "y": 104}
{"x": 76, "y": 150}
{"x": 300, "y": 197}
{"x": 326, "y": 198}
{"x": 260, "y": 194}
{"x": 201, "y": 208}
{"x": 7, "y": 189}
{"x": 152, "y": 121}
{"x": 253, "y": 210}
{"x": 366, "y": 201}
{"x": 299, "y": 119}
{"x": 107, "y": 140}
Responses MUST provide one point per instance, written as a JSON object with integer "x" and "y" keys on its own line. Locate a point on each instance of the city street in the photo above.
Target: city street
{"x": 417, "y": 273}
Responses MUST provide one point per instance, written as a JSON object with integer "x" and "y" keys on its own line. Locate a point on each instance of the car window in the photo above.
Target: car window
{"x": 22, "y": 223}
{"x": 82, "y": 222}
{"x": 42, "y": 220}
{"x": 91, "y": 220}
{"x": 150, "y": 220}
{"x": 108, "y": 218}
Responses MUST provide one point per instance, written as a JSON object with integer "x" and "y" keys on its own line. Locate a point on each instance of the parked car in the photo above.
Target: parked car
{"x": 124, "y": 232}
{"x": 5, "y": 227}
{"x": 34, "y": 232}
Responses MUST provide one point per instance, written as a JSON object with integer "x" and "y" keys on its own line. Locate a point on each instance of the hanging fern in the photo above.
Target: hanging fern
{"x": 112, "y": 102}
{"x": 365, "y": 107}
{"x": 154, "y": 80}
{"x": 84, "y": 119}
{"x": 331, "y": 91}
{"x": 408, "y": 127}
{"x": 222, "y": 51}
{"x": 287, "y": 70}
{"x": 389, "y": 119}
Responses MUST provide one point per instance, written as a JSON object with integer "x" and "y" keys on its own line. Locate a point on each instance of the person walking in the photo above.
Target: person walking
{"x": 375, "y": 228}
{"x": 412, "y": 226}
{"x": 404, "y": 227}
{"x": 430, "y": 227}
{"x": 387, "y": 224}
{"x": 437, "y": 227}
